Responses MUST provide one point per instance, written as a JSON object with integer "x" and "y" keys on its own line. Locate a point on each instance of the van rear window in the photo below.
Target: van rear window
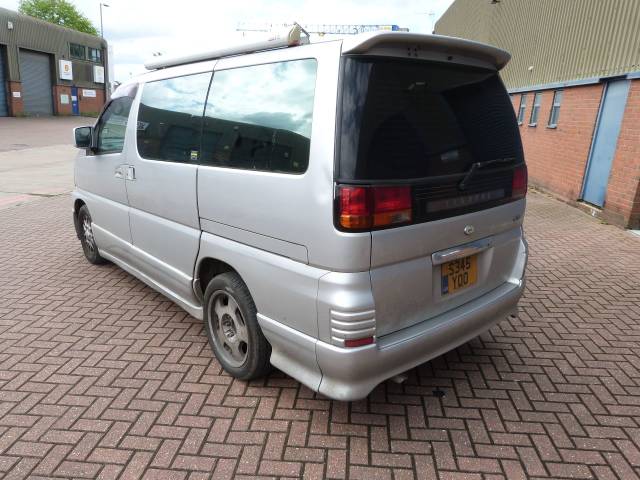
{"x": 412, "y": 120}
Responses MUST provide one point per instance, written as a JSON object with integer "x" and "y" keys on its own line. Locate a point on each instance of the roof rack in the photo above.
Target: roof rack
{"x": 291, "y": 38}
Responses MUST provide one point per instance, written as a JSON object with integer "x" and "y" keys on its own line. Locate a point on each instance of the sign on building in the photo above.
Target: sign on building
{"x": 88, "y": 93}
{"x": 98, "y": 74}
{"x": 66, "y": 70}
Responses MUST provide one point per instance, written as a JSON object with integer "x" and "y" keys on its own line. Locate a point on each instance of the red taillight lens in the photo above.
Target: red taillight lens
{"x": 355, "y": 207}
{"x": 367, "y": 207}
{"x": 358, "y": 342}
{"x": 391, "y": 205}
{"x": 519, "y": 183}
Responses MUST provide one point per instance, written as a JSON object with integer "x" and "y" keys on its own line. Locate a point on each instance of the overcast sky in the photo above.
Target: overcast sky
{"x": 137, "y": 28}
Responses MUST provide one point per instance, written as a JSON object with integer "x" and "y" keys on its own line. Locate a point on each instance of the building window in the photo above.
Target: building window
{"x": 555, "y": 109}
{"x": 77, "y": 51}
{"x": 523, "y": 107}
{"x": 95, "y": 55}
{"x": 535, "y": 109}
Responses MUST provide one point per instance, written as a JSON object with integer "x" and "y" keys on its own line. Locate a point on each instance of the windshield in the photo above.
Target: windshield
{"x": 403, "y": 119}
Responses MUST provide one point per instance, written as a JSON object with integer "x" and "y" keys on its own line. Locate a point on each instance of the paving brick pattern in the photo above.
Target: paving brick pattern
{"x": 101, "y": 377}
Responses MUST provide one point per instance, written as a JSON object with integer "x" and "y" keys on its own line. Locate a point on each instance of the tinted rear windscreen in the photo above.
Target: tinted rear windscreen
{"x": 403, "y": 120}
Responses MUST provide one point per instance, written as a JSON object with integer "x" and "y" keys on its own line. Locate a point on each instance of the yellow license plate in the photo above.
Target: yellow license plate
{"x": 459, "y": 274}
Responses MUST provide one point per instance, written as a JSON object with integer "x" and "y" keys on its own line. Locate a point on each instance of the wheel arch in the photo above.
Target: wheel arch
{"x": 206, "y": 270}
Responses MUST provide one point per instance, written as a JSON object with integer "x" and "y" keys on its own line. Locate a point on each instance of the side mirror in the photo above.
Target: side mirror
{"x": 83, "y": 136}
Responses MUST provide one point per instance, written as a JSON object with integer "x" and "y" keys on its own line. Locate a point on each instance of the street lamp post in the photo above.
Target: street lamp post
{"x": 105, "y": 55}
{"x": 101, "y": 28}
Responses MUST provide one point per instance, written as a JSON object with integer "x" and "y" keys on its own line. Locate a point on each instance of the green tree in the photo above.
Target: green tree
{"x": 60, "y": 12}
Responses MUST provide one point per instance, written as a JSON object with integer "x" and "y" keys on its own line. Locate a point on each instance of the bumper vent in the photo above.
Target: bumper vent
{"x": 352, "y": 325}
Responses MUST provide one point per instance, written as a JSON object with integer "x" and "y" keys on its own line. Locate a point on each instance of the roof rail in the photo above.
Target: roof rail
{"x": 290, "y": 38}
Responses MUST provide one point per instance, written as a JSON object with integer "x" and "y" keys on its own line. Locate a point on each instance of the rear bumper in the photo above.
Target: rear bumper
{"x": 351, "y": 373}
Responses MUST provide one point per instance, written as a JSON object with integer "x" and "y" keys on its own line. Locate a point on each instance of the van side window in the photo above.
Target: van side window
{"x": 259, "y": 117}
{"x": 112, "y": 125}
{"x": 170, "y": 118}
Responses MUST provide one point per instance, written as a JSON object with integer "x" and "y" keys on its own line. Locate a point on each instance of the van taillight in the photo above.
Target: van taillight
{"x": 519, "y": 182}
{"x": 371, "y": 207}
{"x": 355, "y": 207}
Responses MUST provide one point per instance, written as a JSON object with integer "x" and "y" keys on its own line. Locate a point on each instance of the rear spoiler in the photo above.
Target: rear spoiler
{"x": 415, "y": 45}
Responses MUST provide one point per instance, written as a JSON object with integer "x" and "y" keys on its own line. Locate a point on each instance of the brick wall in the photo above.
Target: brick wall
{"x": 16, "y": 106}
{"x": 88, "y": 105}
{"x": 91, "y": 105}
{"x": 59, "y": 107}
{"x": 557, "y": 157}
{"x": 622, "y": 203}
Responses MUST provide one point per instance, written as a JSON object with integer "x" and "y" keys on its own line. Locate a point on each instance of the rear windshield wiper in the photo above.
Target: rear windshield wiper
{"x": 478, "y": 165}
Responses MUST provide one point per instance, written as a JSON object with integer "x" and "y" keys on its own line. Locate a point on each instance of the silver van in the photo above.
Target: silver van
{"x": 343, "y": 210}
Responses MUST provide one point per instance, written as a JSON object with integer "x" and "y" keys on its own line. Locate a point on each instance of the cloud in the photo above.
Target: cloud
{"x": 138, "y": 28}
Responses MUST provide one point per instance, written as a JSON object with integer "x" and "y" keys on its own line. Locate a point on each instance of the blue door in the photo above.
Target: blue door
{"x": 605, "y": 139}
{"x": 75, "y": 106}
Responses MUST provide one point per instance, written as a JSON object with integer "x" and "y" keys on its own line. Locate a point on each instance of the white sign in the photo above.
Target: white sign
{"x": 98, "y": 74}
{"x": 64, "y": 99}
{"x": 16, "y": 94}
{"x": 66, "y": 70}
{"x": 88, "y": 93}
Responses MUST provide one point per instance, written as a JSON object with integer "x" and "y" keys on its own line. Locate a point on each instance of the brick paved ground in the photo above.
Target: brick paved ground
{"x": 101, "y": 376}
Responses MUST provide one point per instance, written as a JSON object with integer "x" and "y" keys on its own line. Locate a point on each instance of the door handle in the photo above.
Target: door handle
{"x": 130, "y": 173}
{"x": 118, "y": 173}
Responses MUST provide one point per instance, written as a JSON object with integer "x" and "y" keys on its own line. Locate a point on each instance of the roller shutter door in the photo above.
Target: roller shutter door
{"x": 35, "y": 75}
{"x": 3, "y": 87}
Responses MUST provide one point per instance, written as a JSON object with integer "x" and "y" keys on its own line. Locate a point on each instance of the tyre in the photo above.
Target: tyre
{"x": 86, "y": 237}
{"x": 232, "y": 327}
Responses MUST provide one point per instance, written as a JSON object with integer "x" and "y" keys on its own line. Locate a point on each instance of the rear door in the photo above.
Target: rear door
{"x": 161, "y": 179}
{"x": 446, "y": 133}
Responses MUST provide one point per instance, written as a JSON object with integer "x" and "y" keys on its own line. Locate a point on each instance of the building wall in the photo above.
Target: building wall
{"x": 561, "y": 39}
{"x": 58, "y": 107}
{"x": 623, "y": 192}
{"x": 574, "y": 45}
{"x": 90, "y": 106}
{"x": 16, "y": 107}
{"x": 557, "y": 157}
{"x": 40, "y": 36}
{"x": 32, "y": 34}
